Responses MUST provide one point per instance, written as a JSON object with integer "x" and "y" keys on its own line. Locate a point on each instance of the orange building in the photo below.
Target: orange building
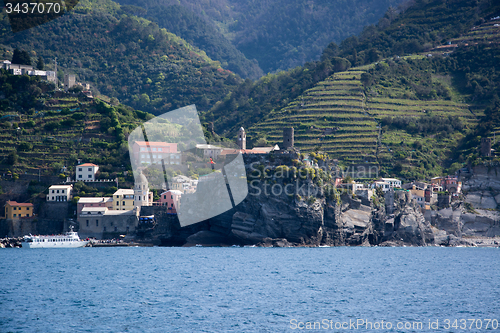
{"x": 15, "y": 210}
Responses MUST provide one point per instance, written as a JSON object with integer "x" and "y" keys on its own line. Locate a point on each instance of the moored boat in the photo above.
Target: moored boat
{"x": 68, "y": 240}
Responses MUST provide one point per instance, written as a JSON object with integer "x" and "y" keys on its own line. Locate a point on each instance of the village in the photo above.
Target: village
{"x": 120, "y": 214}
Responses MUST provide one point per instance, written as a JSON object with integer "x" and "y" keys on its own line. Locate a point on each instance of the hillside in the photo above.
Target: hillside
{"x": 122, "y": 56}
{"x": 278, "y": 34}
{"x": 196, "y": 31}
{"x": 408, "y": 114}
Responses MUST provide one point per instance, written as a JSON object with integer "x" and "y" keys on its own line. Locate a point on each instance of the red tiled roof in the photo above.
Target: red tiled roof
{"x": 88, "y": 164}
{"x": 155, "y": 144}
{"x": 19, "y": 204}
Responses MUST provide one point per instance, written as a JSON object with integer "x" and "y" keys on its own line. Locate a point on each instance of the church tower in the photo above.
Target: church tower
{"x": 141, "y": 191}
{"x": 242, "y": 139}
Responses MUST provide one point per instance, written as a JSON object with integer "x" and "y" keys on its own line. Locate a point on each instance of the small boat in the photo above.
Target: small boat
{"x": 69, "y": 239}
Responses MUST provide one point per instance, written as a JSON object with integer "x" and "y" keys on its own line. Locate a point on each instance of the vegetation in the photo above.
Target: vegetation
{"x": 125, "y": 57}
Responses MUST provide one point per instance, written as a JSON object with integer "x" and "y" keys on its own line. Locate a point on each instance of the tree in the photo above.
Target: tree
{"x": 40, "y": 65}
{"x": 12, "y": 158}
{"x": 21, "y": 57}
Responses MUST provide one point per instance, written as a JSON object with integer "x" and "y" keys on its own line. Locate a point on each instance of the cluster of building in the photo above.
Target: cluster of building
{"x": 51, "y": 76}
{"x": 424, "y": 194}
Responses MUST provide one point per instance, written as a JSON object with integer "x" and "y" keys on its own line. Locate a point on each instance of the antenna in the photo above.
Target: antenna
{"x": 55, "y": 68}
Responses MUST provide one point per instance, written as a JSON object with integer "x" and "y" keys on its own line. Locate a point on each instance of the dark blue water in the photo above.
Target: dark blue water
{"x": 247, "y": 289}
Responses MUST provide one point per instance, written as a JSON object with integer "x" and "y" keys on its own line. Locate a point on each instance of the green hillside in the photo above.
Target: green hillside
{"x": 409, "y": 114}
{"x": 196, "y": 31}
{"x": 279, "y": 34}
{"x": 124, "y": 57}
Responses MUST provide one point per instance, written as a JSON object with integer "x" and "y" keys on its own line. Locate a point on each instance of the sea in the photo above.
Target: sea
{"x": 241, "y": 289}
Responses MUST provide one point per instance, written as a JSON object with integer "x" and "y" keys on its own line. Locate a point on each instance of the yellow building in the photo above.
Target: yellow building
{"x": 123, "y": 199}
{"x": 15, "y": 210}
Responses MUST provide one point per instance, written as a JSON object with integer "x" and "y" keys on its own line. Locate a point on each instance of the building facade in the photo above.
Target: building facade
{"x": 100, "y": 222}
{"x": 155, "y": 152}
{"x": 86, "y": 172}
{"x": 123, "y": 199}
{"x": 94, "y": 202}
{"x": 16, "y": 210}
{"x": 171, "y": 199}
{"x": 60, "y": 193}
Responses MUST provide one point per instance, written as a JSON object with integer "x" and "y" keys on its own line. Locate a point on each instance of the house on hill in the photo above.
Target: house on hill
{"x": 86, "y": 172}
{"x": 60, "y": 193}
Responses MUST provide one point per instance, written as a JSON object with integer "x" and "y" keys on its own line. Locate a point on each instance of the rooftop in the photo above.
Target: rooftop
{"x": 124, "y": 192}
{"x": 60, "y": 186}
{"x": 19, "y": 204}
{"x": 154, "y": 144}
{"x": 88, "y": 164}
{"x": 95, "y": 200}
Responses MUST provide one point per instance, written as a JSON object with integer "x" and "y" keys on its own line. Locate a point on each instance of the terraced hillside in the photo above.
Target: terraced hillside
{"x": 68, "y": 127}
{"x": 332, "y": 115}
{"x": 338, "y": 116}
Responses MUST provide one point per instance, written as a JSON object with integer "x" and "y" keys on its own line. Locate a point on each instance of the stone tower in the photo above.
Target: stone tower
{"x": 242, "y": 139}
{"x": 141, "y": 191}
{"x": 288, "y": 138}
{"x": 486, "y": 146}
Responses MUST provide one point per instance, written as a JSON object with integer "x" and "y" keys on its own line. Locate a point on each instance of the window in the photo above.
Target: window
{"x": 124, "y": 203}
{"x": 111, "y": 223}
{"x": 27, "y": 215}
{"x": 80, "y": 169}
{"x": 90, "y": 176}
{"x": 104, "y": 229}
{"x": 79, "y": 176}
{"x": 52, "y": 191}
{"x": 142, "y": 155}
{"x": 96, "y": 223}
{"x": 62, "y": 191}
{"x": 15, "y": 215}
{"x": 171, "y": 197}
{"x": 90, "y": 169}
{"x": 159, "y": 149}
{"x": 143, "y": 149}
{"x": 27, "y": 208}
{"x": 154, "y": 149}
{"x": 15, "y": 208}
{"x": 52, "y": 198}
{"x": 118, "y": 203}
{"x": 57, "y": 191}
{"x": 87, "y": 223}
{"x": 165, "y": 196}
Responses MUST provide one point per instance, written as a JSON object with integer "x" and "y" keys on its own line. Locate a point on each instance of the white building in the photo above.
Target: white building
{"x": 86, "y": 172}
{"x": 384, "y": 185}
{"x": 393, "y": 182}
{"x": 60, "y": 193}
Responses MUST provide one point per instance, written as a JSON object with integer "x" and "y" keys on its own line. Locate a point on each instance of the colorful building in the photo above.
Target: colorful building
{"x": 16, "y": 210}
{"x": 123, "y": 199}
{"x": 171, "y": 199}
{"x": 155, "y": 152}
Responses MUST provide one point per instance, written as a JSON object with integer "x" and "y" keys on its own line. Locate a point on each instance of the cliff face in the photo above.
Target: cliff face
{"x": 302, "y": 212}
{"x": 477, "y": 216}
{"x": 406, "y": 226}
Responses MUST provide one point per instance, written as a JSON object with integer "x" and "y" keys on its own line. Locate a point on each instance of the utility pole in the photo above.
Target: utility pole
{"x": 55, "y": 62}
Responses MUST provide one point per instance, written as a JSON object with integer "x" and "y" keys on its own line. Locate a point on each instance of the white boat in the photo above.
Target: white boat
{"x": 69, "y": 239}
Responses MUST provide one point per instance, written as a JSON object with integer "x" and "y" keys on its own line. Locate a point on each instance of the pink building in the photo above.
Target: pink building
{"x": 171, "y": 199}
{"x": 154, "y": 152}
{"x": 94, "y": 202}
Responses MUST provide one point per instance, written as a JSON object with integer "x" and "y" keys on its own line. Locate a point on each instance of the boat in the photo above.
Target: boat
{"x": 68, "y": 240}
